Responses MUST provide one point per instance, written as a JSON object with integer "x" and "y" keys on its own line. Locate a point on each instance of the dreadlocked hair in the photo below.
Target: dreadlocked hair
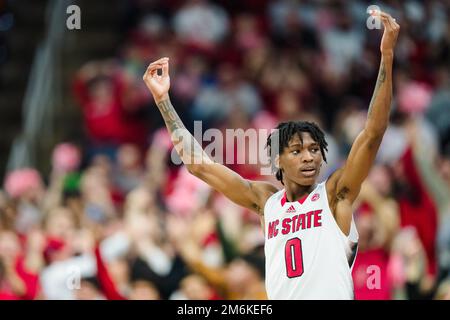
{"x": 284, "y": 132}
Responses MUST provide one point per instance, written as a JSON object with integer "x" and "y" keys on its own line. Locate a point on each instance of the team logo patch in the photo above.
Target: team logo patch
{"x": 315, "y": 197}
{"x": 291, "y": 209}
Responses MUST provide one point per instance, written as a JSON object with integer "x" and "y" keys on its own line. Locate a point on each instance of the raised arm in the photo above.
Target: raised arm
{"x": 344, "y": 185}
{"x": 250, "y": 194}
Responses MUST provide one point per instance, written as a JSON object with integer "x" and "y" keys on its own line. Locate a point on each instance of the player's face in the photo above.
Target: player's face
{"x": 301, "y": 161}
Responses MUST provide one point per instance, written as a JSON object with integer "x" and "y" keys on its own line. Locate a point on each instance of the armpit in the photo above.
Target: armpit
{"x": 342, "y": 193}
{"x": 258, "y": 209}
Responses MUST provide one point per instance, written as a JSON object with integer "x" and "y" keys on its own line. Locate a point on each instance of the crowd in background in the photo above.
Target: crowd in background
{"x": 117, "y": 219}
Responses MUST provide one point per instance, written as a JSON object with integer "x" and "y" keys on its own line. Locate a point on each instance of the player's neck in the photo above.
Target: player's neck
{"x": 294, "y": 191}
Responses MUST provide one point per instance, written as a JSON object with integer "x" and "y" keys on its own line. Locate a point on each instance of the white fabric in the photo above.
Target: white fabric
{"x": 60, "y": 279}
{"x": 158, "y": 260}
{"x": 115, "y": 246}
{"x": 325, "y": 250}
{"x": 201, "y": 22}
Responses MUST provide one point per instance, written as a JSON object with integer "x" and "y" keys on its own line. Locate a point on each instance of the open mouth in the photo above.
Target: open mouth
{"x": 309, "y": 172}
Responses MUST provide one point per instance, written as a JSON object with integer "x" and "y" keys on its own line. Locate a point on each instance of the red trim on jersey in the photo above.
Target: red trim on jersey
{"x": 301, "y": 200}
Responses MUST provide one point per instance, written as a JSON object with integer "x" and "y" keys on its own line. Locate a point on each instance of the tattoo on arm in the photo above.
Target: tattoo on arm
{"x": 187, "y": 147}
{"x": 170, "y": 116}
{"x": 342, "y": 193}
{"x": 380, "y": 80}
{"x": 339, "y": 196}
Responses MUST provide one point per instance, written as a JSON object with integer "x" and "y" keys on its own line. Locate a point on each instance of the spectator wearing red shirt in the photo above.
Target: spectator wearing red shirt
{"x": 16, "y": 281}
{"x": 377, "y": 221}
{"x": 111, "y": 105}
{"x": 417, "y": 207}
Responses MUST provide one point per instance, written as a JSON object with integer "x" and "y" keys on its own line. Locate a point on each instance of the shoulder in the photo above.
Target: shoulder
{"x": 263, "y": 190}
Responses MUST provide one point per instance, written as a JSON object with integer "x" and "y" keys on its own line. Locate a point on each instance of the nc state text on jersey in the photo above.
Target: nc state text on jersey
{"x": 302, "y": 221}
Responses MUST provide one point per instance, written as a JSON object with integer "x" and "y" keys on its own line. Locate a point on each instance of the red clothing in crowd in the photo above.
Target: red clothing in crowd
{"x": 420, "y": 213}
{"x": 30, "y": 280}
{"x": 108, "y": 287}
{"x": 113, "y": 124}
{"x": 370, "y": 275}
{"x": 4, "y": 295}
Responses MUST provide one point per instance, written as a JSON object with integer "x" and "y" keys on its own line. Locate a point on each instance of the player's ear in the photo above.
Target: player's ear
{"x": 277, "y": 161}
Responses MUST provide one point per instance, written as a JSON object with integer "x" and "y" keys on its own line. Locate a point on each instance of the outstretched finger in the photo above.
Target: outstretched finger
{"x": 160, "y": 61}
{"x": 387, "y": 19}
{"x": 165, "y": 69}
{"x": 392, "y": 22}
{"x": 386, "y": 23}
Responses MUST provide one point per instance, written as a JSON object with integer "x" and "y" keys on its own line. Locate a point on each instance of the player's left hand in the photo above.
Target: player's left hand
{"x": 390, "y": 34}
{"x": 158, "y": 85}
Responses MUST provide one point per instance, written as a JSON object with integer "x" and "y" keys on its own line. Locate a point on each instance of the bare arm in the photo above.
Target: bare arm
{"x": 343, "y": 187}
{"x": 249, "y": 194}
{"x": 14, "y": 280}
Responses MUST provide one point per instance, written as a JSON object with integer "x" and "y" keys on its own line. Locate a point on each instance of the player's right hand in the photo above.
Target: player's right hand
{"x": 390, "y": 34}
{"x": 158, "y": 84}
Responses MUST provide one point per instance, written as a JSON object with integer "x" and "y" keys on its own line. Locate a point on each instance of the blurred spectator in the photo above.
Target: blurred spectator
{"x": 129, "y": 171}
{"x": 26, "y": 187}
{"x": 111, "y": 112}
{"x": 216, "y": 102}
{"x": 194, "y": 287}
{"x": 242, "y": 278}
{"x": 89, "y": 290}
{"x": 342, "y": 42}
{"x": 201, "y": 23}
{"x": 144, "y": 290}
{"x": 377, "y": 222}
{"x": 18, "y": 276}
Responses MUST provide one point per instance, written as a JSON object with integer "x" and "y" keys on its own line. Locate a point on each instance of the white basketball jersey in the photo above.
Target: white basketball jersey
{"x": 307, "y": 254}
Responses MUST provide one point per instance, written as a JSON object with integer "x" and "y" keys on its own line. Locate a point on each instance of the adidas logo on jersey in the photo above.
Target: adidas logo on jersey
{"x": 291, "y": 209}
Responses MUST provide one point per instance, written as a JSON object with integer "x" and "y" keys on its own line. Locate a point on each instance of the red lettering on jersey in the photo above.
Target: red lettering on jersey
{"x": 312, "y": 219}
{"x": 273, "y": 231}
{"x": 317, "y": 218}
{"x": 300, "y": 222}
{"x": 294, "y": 224}
{"x": 309, "y": 214}
{"x": 286, "y": 226}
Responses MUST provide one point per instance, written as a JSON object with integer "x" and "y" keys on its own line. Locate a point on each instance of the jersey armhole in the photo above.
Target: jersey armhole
{"x": 353, "y": 232}
{"x": 271, "y": 199}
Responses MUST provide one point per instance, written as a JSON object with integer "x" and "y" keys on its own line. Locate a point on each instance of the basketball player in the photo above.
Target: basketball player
{"x": 308, "y": 227}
